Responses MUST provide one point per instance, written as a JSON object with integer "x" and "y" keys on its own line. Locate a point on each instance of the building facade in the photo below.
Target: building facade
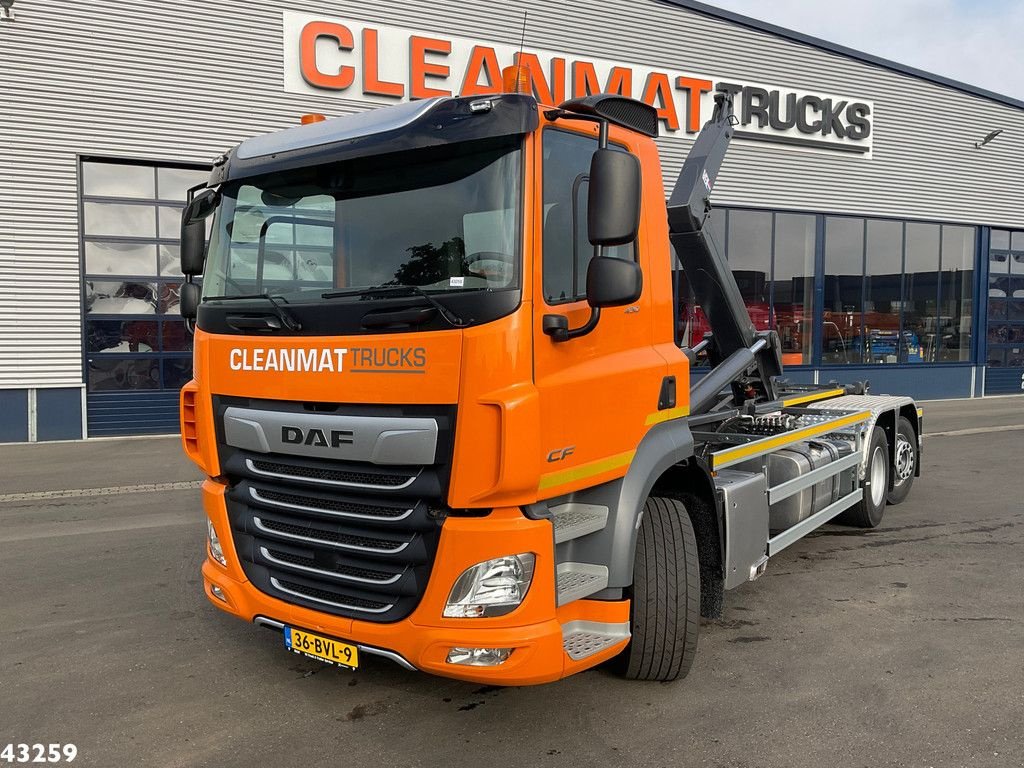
{"x": 861, "y": 212}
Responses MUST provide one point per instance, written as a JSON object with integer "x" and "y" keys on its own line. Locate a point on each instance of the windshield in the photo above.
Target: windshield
{"x": 445, "y": 220}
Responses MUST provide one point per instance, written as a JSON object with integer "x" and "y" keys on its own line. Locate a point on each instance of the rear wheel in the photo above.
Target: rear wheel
{"x": 904, "y": 461}
{"x": 665, "y": 609}
{"x": 867, "y": 513}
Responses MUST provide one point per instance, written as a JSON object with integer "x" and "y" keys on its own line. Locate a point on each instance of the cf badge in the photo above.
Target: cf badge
{"x": 561, "y": 453}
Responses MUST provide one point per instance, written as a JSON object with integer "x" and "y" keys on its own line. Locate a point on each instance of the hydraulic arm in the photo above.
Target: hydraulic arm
{"x": 736, "y": 346}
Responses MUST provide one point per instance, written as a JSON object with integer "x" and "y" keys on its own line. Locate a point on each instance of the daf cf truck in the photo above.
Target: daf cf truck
{"x": 444, "y": 412}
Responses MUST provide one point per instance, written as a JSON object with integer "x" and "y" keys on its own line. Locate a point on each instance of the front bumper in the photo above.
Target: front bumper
{"x": 423, "y": 639}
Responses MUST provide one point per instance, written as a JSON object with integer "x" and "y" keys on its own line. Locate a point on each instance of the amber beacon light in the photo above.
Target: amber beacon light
{"x": 515, "y": 79}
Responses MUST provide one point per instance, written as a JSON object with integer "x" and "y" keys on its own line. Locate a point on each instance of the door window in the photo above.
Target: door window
{"x": 566, "y": 248}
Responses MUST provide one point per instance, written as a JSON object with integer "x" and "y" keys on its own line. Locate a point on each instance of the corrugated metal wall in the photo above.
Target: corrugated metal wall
{"x": 183, "y": 81}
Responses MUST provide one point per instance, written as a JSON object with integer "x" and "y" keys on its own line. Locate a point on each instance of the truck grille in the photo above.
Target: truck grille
{"x": 341, "y": 508}
{"x": 326, "y": 475}
{"x": 314, "y": 535}
{"x": 351, "y": 539}
{"x": 345, "y": 602}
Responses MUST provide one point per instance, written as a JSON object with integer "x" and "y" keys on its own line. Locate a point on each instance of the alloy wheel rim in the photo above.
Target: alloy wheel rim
{"x": 904, "y": 460}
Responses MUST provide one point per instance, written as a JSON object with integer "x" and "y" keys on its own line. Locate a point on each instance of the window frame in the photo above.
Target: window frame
{"x": 159, "y": 356}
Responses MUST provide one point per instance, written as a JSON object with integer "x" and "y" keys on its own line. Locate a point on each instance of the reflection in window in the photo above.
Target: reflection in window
{"x": 170, "y": 260}
{"x": 881, "y": 341}
{"x": 174, "y": 183}
{"x": 894, "y": 291}
{"x": 108, "y": 297}
{"x": 132, "y": 273}
{"x": 118, "y": 180}
{"x": 922, "y": 329}
{"x": 956, "y": 294}
{"x": 793, "y": 285}
{"x": 114, "y": 373}
{"x": 109, "y": 258}
{"x": 1005, "y": 331}
{"x": 120, "y": 220}
{"x": 177, "y": 371}
{"x": 111, "y": 336}
{"x": 749, "y": 251}
{"x": 844, "y": 291}
{"x": 169, "y": 300}
{"x": 771, "y": 256}
{"x": 169, "y": 221}
{"x": 174, "y": 337}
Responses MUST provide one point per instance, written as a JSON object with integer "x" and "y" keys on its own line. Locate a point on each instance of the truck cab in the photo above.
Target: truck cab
{"x": 441, "y": 408}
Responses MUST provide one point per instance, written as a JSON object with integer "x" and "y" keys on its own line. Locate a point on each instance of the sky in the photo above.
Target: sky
{"x": 979, "y": 42}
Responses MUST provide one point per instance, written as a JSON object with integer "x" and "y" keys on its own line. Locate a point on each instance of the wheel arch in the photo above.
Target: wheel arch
{"x": 691, "y": 477}
{"x": 909, "y": 412}
{"x": 663, "y": 447}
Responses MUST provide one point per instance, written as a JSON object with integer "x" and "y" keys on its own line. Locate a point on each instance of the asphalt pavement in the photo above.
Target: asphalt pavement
{"x": 901, "y": 646}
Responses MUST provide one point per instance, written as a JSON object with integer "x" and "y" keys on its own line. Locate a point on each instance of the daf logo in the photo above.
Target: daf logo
{"x": 334, "y": 438}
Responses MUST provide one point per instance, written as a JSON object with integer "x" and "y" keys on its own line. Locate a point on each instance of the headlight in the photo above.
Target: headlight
{"x": 491, "y": 588}
{"x": 216, "y": 552}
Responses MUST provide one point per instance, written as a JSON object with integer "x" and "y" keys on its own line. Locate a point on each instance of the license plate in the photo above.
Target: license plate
{"x": 321, "y": 648}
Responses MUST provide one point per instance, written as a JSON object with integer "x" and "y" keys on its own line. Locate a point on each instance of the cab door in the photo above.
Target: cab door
{"x": 598, "y": 393}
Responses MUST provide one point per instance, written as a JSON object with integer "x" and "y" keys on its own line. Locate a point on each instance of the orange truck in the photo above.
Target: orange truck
{"x": 443, "y": 409}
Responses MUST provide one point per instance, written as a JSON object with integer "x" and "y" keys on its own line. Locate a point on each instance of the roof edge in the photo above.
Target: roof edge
{"x": 842, "y": 50}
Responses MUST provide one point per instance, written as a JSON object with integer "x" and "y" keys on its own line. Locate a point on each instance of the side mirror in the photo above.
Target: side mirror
{"x": 193, "y": 231}
{"x": 188, "y": 300}
{"x": 613, "y": 200}
{"x": 613, "y": 282}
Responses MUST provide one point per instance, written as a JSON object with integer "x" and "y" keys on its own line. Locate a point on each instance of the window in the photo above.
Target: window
{"x": 691, "y": 324}
{"x": 1006, "y": 299}
{"x": 922, "y": 331}
{"x": 844, "y": 290}
{"x": 793, "y": 285}
{"x": 749, "y": 250}
{"x": 133, "y": 338}
{"x": 445, "y": 219}
{"x": 566, "y": 247}
{"x": 912, "y": 304}
{"x": 956, "y": 294}
{"x": 279, "y": 242}
{"x": 771, "y": 256}
{"x": 880, "y": 340}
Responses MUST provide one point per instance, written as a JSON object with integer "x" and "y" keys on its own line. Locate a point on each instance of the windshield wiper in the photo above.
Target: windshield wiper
{"x": 449, "y": 316}
{"x": 287, "y": 319}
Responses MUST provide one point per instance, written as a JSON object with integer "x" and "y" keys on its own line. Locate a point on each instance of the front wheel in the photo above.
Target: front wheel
{"x": 904, "y": 461}
{"x": 665, "y": 609}
{"x": 867, "y": 513}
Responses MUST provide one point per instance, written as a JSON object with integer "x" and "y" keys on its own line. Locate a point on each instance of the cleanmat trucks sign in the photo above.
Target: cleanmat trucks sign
{"x": 384, "y": 64}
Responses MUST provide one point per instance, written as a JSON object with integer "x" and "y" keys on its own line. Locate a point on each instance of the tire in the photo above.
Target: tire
{"x": 867, "y": 513}
{"x": 904, "y": 461}
{"x": 665, "y": 609}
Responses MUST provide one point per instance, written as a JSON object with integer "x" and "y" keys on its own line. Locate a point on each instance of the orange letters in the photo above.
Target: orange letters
{"x": 420, "y": 69}
{"x": 482, "y": 59}
{"x": 694, "y": 88}
{"x": 307, "y": 55}
{"x": 657, "y": 88}
{"x": 372, "y": 84}
{"x": 483, "y": 74}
